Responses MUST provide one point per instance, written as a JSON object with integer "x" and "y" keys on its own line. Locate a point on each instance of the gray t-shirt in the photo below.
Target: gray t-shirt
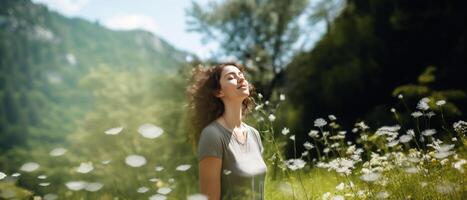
{"x": 243, "y": 168}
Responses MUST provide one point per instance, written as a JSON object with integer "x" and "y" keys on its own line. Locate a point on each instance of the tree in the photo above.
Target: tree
{"x": 259, "y": 33}
{"x": 325, "y": 10}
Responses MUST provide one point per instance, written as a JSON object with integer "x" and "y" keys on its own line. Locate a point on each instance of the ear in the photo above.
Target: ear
{"x": 219, "y": 93}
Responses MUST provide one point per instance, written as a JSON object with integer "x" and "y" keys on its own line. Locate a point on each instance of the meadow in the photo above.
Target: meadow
{"x": 388, "y": 162}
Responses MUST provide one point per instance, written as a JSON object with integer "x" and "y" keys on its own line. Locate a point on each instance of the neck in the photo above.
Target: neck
{"x": 233, "y": 113}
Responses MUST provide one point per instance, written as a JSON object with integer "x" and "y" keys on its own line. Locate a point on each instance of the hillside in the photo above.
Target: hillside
{"x": 44, "y": 55}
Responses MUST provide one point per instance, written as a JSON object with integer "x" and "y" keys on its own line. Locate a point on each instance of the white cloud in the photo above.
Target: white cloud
{"x": 131, "y": 21}
{"x": 66, "y": 7}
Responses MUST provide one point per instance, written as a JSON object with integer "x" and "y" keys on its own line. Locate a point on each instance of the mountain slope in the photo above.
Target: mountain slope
{"x": 43, "y": 56}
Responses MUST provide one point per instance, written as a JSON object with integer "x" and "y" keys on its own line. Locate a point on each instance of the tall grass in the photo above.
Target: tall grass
{"x": 388, "y": 162}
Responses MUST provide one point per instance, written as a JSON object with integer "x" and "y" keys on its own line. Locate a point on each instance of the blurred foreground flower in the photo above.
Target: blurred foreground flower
{"x": 57, "y": 152}
{"x": 2, "y": 175}
{"x": 183, "y": 167}
{"x": 85, "y": 167}
{"x": 114, "y": 131}
{"x": 197, "y": 197}
{"x": 150, "y": 131}
{"x": 135, "y": 160}
{"x": 29, "y": 167}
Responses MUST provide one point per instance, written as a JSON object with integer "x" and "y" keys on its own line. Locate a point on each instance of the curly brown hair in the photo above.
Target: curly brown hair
{"x": 203, "y": 106}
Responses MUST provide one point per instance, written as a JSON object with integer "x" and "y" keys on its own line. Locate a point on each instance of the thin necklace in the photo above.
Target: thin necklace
{"x": 234, "y": 133}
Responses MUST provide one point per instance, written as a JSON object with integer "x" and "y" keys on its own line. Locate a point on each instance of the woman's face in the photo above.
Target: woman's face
{"x": 233, "y": 84}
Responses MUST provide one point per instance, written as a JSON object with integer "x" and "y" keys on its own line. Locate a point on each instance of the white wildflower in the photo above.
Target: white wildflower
{"x": 114, "y": 131}
{"x": 260, "y": 119}
{"x": 342, "y": 165}
{"x": 142, "y": 189}
{"x": 93, "y": 187}
{"x": 85, "y": 167}
{"x": 150, "y": 131}
{"x": 282, "y": 97}
{"x": 295, "y": 164}
{"x": 164, "y": 190}
{"x": 423, "y": 184}
{"x": 405, "y": 138}
{"x": 183, "y": 167}
{"x": 362, "y": 125}
{"x": 57, "y": 152}
{"x": 135, "y": 160}
{"x": 370, "y": 177}
{"x": 308, "y": 145}
{"x": 272, "y": 117}
{"x": 411, "y": 132}
{"x": 350, "y": 150}
{"x": 292, "y": 137}
{"x": 29, "y": 167}
{"x": 411, "y": 170}
{"x": 258, "y": 107}
{"x": 457, "y": 165}
{"x": 326, "y": 196}
{"x": 429, "y": 132}
{"x": 157, "y": 197}
{"x": 460, "y": 127}
{"x": 197, "y": 197}
{"x": 417, "y": 114}
{"x": 338, "y": 197}
{"x": 440, "y": 102}
{"x": 76, "y": 185}
{"x": 158, "y": 168}
{"x": 332, "y": 117}
{"x": 285, "y": 131}
{"x": 320, "y": 122}
{"x": 430, "y": 114}
{"x": 313, "y": 133}
{"x": 337, "y": 137}
{"x": 423, "y": 104}
{"x": 50, "y": 196}
{"x": 393, "y": 143}
{"x": 340, "y": 186}
{"x": 2, "y": 175}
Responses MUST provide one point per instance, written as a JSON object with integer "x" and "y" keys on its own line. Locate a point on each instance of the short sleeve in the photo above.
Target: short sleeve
{"x": 261, "y": 148}
{"x": 210, "y": 144}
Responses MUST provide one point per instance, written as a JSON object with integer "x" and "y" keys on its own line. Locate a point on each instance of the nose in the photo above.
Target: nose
{"x": 241, "y": 79}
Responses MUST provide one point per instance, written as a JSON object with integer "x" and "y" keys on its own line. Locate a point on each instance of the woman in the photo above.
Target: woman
{"x": 229, "y": 151}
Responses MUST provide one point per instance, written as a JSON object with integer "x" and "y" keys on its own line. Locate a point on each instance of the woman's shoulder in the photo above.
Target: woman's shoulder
{"x": 212, "y": 130}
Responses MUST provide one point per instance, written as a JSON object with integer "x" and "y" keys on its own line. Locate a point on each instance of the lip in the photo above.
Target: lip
{"x": 243, "y": 86}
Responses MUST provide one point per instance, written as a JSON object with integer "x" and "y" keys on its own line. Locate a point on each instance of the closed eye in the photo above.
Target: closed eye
{"x": 230, "y": 75}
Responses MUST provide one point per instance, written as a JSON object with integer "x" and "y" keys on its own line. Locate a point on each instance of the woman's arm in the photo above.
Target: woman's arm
{"x": 210, "y": 177}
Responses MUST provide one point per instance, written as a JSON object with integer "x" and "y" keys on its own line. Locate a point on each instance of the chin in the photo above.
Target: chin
{"x": 245, "y": 94}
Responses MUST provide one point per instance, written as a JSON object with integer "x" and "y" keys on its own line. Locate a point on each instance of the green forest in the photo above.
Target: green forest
{"x": 373, "y": 110}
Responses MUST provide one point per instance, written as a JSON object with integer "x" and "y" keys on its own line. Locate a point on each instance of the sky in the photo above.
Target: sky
{"x": 166, "y": 19}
